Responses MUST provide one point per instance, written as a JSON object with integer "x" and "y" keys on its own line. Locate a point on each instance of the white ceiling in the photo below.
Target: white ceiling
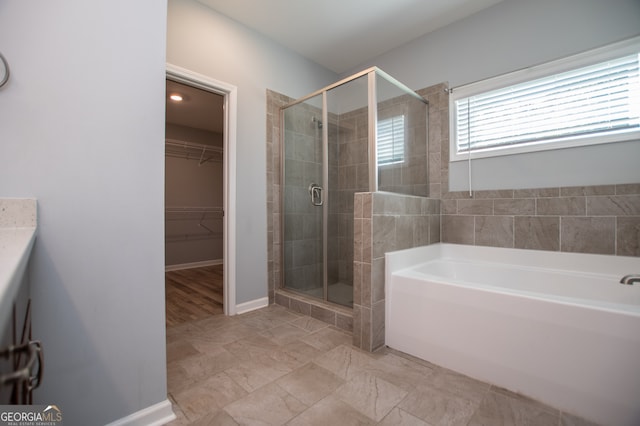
{"x": 337, "y": 34}
{"x": 342, "y": 34}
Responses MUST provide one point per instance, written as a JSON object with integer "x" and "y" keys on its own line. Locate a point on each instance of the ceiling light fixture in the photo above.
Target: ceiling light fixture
{"x": 176, "y": 98}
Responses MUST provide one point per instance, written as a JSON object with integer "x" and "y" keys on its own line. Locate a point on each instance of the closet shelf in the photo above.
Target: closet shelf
{"x": 172, "y": 238}
{"x": 193, "y": 151}
{"x": 192, "y": 209}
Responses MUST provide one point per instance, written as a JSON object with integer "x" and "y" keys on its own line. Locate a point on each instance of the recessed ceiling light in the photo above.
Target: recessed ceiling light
{"x": 176, "y": 98}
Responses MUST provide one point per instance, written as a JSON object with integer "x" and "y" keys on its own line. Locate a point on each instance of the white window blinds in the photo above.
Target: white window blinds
{"x": 391, "y": 140}
{"x": 601, "y": 99}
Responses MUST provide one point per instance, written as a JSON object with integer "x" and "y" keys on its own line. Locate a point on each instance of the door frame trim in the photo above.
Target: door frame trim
{"x": 230, "y": 93}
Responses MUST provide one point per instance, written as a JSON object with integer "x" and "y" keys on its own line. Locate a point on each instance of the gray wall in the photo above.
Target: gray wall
{"x": 82, "y": 130}
{"x": 203, "y": 41}
{"x": 509, "y": 36}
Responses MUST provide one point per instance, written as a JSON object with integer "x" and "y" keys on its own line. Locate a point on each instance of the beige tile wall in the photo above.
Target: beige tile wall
{"x": 601, "y": 219}
{"x": 274, "y": 176}
{"x": 595, "y": 219}
{"x": 384, "y": 222}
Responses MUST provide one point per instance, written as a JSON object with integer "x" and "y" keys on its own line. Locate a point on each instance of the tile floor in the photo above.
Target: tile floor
{"x": 275, "y": 367}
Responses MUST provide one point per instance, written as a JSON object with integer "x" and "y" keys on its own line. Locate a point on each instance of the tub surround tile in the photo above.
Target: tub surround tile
{"x": 475, "y": 207}
{"x": 449, "y": 206}
{"x": 628, "y": 236}
{"x": 587, "y": 190}
{"x": 366, "y": 290}
{"x": 377, "y": 281}
{"x": 458, "y": 229}
{"x": 367, "y": 239}
{"x": 404, "y": 232}
{"x": 494, "y": 231}
{"x": 536, "y": 193}
{"x": 384, "y": 235}
{"x": 628, "y": 189}
{"x": 514, "y": 207}
{"x": 492, "y": 194}
{"x": 614, "y": 205}
{"x": 588, "y": 235}
{"x": 537, "y": 233}
{"x": 565, "y": 206}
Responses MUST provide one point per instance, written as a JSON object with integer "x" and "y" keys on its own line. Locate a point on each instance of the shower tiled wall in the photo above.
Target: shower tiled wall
{"x": 384, "y": 222}
{"x": 348, "y": 174}
{"x": 274, "y": 180}
{"x": 409, "y": 176}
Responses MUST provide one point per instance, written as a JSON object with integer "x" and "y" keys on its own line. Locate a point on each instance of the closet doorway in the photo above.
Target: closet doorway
{"x": 197, "y": 195}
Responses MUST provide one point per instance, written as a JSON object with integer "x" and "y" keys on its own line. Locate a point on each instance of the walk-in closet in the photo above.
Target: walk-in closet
{"x": 193, "y": 203}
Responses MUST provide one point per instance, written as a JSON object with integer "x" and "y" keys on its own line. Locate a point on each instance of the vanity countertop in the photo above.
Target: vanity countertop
{"x": 17, "y": 236}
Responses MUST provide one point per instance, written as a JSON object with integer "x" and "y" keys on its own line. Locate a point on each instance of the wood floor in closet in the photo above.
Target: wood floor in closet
{"x": 193, "y": 294}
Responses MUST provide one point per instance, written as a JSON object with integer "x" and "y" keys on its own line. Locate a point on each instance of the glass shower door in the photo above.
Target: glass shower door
{"x": 304, "y": 198}
{"x": 348, "y": 173}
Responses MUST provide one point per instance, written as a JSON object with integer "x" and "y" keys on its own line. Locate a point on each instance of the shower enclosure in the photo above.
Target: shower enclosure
{"x": 365, "y": 133}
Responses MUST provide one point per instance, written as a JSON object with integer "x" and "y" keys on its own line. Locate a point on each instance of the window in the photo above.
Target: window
{"x": 581, "y": 105}
{"x": 391, "y": 140}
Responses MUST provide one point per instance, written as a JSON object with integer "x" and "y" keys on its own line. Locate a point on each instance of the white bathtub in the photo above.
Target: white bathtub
{"x": 558, "y": 327}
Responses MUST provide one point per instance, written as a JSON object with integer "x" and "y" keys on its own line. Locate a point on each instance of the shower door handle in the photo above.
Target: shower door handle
{"x": 315, "y": 191}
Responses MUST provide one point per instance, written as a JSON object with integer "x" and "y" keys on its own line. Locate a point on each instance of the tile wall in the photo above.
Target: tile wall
{"x": 384, "y": 222}
{"x": 274, "y": 180}
{"x": 595, "y": 219}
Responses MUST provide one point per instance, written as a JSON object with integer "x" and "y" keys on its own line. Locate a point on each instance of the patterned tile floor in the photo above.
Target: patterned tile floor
{"x": 275, "y": 367}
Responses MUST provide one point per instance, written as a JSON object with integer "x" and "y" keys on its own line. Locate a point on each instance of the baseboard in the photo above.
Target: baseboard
{"x": 155, "y": 415}
{"x": 252, "y": 305}
{"x": 193, "y": 265}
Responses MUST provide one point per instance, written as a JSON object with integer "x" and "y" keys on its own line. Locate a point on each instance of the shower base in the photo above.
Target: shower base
{"x": 339, "y": 293}
{"x": 331, "y": 313}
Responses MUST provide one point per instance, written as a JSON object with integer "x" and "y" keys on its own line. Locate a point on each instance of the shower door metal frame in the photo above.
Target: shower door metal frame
{"x": 372, "y": 104}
